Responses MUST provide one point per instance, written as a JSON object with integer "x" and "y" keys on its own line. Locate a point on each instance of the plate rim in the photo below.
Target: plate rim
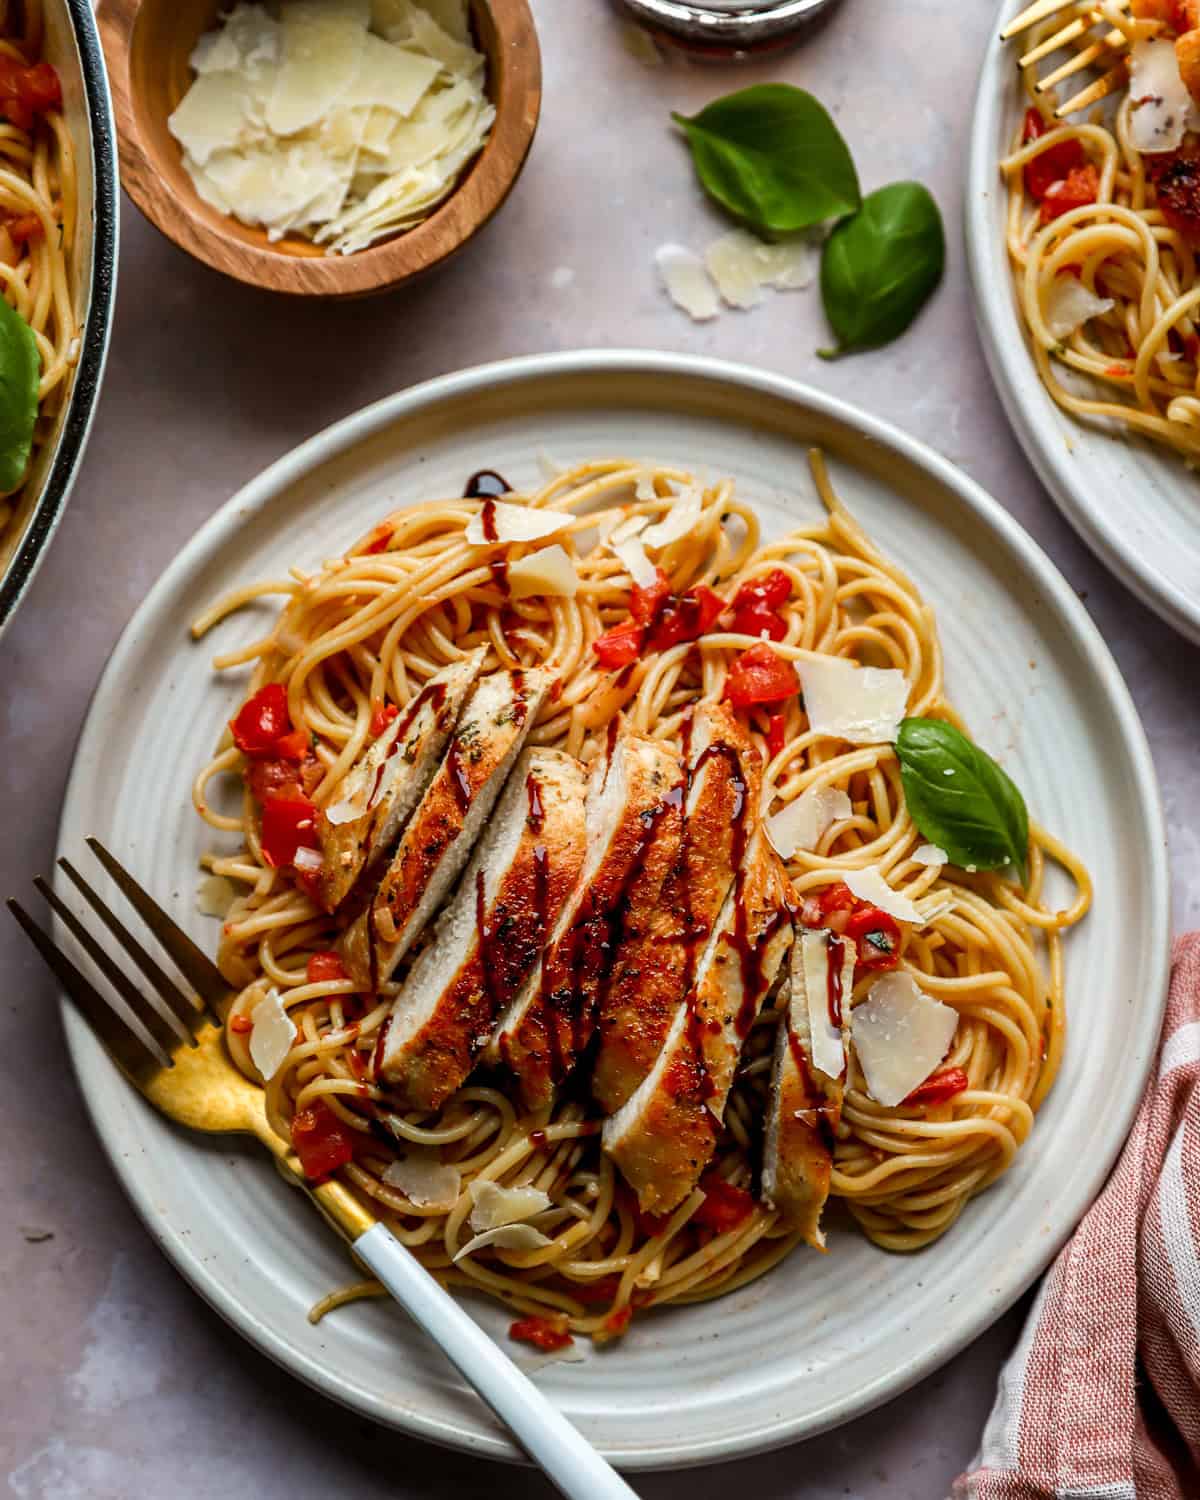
{"x": 995, "y": 316}
{"x": 770, "y": 1431}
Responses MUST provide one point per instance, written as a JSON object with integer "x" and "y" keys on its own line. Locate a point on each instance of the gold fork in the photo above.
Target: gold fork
{"x": 174, "y": 1055}
{"x": 1096, "y": 42}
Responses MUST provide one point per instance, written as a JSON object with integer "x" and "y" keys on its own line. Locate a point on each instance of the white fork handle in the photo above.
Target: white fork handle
{"x": 541, "y": 1429}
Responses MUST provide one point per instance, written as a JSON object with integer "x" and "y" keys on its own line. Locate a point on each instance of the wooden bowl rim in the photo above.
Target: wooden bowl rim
{"x": 379, "y": 267}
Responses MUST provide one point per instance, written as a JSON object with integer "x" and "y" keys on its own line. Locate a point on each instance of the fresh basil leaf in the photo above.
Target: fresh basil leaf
{"x": 772, "y": 156}
{"x": 20, "y": 371}
{"x": 881, "y": 266}
{"x": 960, "y": 799}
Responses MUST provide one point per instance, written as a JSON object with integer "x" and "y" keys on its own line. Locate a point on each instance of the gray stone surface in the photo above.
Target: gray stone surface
{"x": 117, "y": 1381}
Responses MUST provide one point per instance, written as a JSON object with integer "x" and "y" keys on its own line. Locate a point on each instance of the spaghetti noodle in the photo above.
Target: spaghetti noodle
{"x": 1085, "y": 204}
{"x": 38, "y": 204}
{"x": 413, "y": 595}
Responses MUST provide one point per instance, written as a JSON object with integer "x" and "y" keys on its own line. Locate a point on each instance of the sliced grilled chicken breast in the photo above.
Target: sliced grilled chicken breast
{"x": 379, "y": 792}
{"x": 805, "y": 1100}
{"x": 439, "y": 837}
{"x": 663, "y": 1136}
{"x": 491, "y": 933}
{"x": 675, "y": 902}
{"x": 633, "y": 790}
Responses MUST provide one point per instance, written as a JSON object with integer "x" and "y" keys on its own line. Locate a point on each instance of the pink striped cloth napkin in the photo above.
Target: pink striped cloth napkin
{"x": 1101, "y": 1397}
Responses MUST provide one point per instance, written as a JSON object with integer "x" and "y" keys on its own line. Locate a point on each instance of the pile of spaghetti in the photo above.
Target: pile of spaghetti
{"x": 370, "y": 627}
{"x": 38, "y": 196}
{"x": 1102, "y": 237}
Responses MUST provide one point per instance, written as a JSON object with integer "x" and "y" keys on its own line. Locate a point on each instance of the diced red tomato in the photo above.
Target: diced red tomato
{"x": 1080, "y": 186}
{"x": 939, "y": 1087}
{"x": 617, "y": 1322}
{"x": 294, "y": 746}
{"x": 755, "y": 606}
{"x": 262, "y": 721}
{"x": 322, "y": 1142}
{"x": 724, "y": 1206}
{"x": 382, "y": 715}
{"x": 620, "y": 645}
{"x": 241, "y": 1024}
{"x": 876, "y": 935}
{"x": 775, "y": 735}
{"x": 686, "y": 617}
{"x": 547, "y": 1334}
{"x": 324, "y": 967}
{"x": 592, "y": 1293}
{"x": 381, "y": 538}
{"x": 285, "y": 777}
{"x": 645, "y": 603}
{"x": 1054, "y": 164}
{"x": 25, "y": 229}
{"x": 289, "y": 822}
{"x": 27, "y": 91}
{"x": 759, "y": 676}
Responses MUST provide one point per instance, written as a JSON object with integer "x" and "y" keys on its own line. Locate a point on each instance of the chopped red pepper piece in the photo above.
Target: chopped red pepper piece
{"x": 1054, "y": 164}
{"x": 324, "y": 967}
{"x": 939, "y": 1087}
{"x": 294, "y": 746}
{"x": 262, "y": 721}
{"x": 547, "y": 1334}
{"x": 322, "y": 1142}
{"x": 1080, "y": 186}
{"x": 645, "y": 603}
{"x": 755, "y": 605}
{"x": 381, "y": 538}
{"x": 724, "y": 1206}
{"x": 382, "y": 715}
{"x": 27, "y": 91}
{"x": 25, "y": 229}
{"x": 759, "y": 676}
{"x": 620, "y": 646}
{"x": 775, "y": 735}
{"x": 289, "y": 822}
{"x": 591, "y": 1293}
{"x": 876, "y": 935}
{"x": 617, "y": 1322}
{"x": 241, "y": 1024}
{"x": 686, "y": 617}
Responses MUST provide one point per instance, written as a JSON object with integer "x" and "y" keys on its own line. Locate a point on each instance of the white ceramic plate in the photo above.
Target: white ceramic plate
{"x": 823, "y": 1337}
{"x": 1135, "y": 504}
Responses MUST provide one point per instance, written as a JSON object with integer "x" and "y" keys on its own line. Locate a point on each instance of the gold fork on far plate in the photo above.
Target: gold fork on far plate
{"x": 174, "y": 1054}
{"x": 1094, "y": 40}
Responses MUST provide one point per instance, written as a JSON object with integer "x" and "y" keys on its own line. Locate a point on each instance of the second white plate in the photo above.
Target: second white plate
{"x": 1135, "y": 504}
{"x": 822, "y": 1338}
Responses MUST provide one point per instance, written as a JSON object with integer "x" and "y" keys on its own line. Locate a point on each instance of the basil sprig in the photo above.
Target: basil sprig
{"x": 881, "y": 266}
{"x": 20, "y": 371}
{"x": 772, "y": 157}
{"x": 960, "y": 799}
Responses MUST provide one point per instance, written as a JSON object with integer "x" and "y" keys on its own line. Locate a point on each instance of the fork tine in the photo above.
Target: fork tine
{"x": 134, "y": 1051}
{"x": 184, "y": 1012}
{"x": 1031, "y": 15}
{"x": 1084, "y": 58}
{"x": 195, "y": 966}
{"x": 167, "y": 1030}
{"x": 1052, "y": 43}
{"x": 1107, "y": 84}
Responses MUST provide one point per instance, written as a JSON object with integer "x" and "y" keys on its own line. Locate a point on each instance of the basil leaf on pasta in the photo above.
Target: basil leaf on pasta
{"x": 881, "y": 266}
{"x": 772, "y": 156}
{"x": 20, "y": 371}
{"x": 960, "y": 799}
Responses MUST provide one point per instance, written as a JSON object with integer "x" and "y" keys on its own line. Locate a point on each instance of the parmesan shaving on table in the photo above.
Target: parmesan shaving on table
{"x": 339, "y": 120}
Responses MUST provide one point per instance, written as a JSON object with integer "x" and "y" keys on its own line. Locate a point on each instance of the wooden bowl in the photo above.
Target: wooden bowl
{"x": 147, "y": 44}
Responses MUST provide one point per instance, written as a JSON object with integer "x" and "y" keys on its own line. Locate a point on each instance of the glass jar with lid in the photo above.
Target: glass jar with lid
{"x": 727, "y": 28}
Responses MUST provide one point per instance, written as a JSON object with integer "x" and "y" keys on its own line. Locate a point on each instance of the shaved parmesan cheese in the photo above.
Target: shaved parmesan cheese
{"x": 861, "y": 704}
{"x": 869, "y": 885}
{"x": 820, "y": 951}
{"x": 622, "y": 530}
{"x": 506, "y": 1237}
{"x": 495, "y": 1205}
{"x": 678, "y": 522}
{"x": 802, "y": 823}
{"x": 644, "y": 488}
{"x": 900, "y": 1037}
{"x": 321, "y": 47}
{"x": 1159, "y": 99}
{"x": 271, "y": 1035}
{"x": 391, "y": 77}
{"x": 307, "y": 859}
{"x": 215, "y": 895}
{"x": 742, "y": 265}
{"x": 549, "y": 571}
{"x": 1069, "y": 305}
{"x": 457, "y": 57}
{"x": 424, "y": 1178}
{"x": 687, "y": 282}
{"x": 634, "y": 561}
{"x": 929, "y": 854}
{"x": 514, "y": 523}
{"x": 344, "y": 811}
{"x": 211, "y": 116}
